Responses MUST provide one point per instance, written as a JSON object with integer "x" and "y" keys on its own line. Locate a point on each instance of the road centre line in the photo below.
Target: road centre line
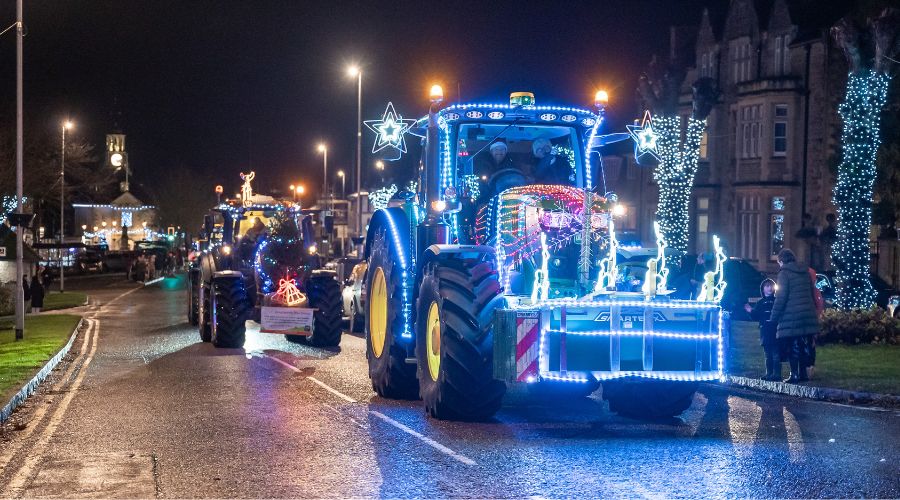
{"x": 18, "y": 481}
{"x": 425, "y": 439}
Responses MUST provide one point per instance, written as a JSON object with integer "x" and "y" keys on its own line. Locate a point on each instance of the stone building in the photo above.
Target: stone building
{"x": 764, "y": 160}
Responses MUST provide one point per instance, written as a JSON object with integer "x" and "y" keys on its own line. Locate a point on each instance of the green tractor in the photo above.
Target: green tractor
{"x": 259, "y": 256}
{"x": 501, "y": 270}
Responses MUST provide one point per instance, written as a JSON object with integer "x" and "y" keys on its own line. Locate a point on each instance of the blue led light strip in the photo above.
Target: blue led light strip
{"x": 406, "y": 306}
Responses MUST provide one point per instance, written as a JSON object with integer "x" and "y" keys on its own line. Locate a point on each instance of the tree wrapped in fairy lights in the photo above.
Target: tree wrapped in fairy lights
{"x": 677, "y": 158}
{"x": 869, "y": 51}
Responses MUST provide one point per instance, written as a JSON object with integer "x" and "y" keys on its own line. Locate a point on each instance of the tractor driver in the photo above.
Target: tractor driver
{"x": 498, "y": 170}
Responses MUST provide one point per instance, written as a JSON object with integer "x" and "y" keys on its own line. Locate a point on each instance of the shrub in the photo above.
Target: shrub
{"x": 7, "y": 299}
{"x": 859, "y": 326}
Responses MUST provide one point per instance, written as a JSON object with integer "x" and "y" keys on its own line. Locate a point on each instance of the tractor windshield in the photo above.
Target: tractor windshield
{"x": 503, "y": 155}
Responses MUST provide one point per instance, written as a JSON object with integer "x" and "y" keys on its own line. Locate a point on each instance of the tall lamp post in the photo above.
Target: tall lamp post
{"x": 324, "y": 150}
{"x": 20, "y": 230}
{"x": 67, "y": 125}
{"x": 340, "y": 173}
{"x": 352, "y": 71}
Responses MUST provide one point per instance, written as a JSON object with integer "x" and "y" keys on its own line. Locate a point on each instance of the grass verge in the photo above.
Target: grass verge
{"x": 867, "y": 368}
{"x": 44, "y": 336}
{"x": 63, "y": 300}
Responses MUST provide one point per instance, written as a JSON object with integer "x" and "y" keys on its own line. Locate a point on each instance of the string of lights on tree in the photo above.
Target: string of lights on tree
{"x": 861, "y": 112}
{"x": 675, "y": 175}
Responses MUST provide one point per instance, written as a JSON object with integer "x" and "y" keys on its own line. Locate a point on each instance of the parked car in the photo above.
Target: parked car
{"x": 352, "y": 294}
{"x": 90, "y": 261}
{"x": 885, "y": 292}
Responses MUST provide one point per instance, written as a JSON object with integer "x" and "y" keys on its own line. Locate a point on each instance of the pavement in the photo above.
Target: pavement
{"x": 142, "y": 408}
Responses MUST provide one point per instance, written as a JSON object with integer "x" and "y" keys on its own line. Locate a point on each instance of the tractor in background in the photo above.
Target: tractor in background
{"x": 259, "y": 252}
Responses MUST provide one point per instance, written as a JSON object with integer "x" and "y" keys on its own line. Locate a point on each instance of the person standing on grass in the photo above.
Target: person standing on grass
{"x": 25, "y": 288}
{"x": 37, "y": 294}
{"x": 794, "y": 312}
{"x": 767, "y": 336}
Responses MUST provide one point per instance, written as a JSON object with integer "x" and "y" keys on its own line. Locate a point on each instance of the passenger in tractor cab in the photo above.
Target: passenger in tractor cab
{"x": 549, "y": 168}
{"x": 497, "y": 159}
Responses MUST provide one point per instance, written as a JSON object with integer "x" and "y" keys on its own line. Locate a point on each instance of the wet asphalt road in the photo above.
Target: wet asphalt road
{"x": 144, "y": 409}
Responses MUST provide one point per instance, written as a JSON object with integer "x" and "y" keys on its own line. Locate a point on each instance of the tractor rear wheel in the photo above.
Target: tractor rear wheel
{"x": 385, "y": 322}
{"x": 204, "y": 318}
{"x": 324, "y": 294}
{"x": 454, "y": 343}
{"x": 649, "y": 399}
{"x": 193, "y": 298}
{"x": 230, "y": 308}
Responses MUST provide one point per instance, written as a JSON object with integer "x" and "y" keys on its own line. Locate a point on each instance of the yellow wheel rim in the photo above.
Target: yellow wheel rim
{"x": 378, "y": 303}
{"x": 433, "y": 340}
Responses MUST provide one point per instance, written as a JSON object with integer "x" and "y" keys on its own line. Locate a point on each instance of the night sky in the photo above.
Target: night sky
{"x": 220, "y": 87}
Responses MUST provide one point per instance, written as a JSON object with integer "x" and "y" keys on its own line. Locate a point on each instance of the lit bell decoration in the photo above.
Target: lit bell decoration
{"x": 288, "y": 293}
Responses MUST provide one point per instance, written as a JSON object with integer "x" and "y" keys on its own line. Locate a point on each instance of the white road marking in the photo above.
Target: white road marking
{"x": 38, "y": 416}
{"x": 17, "y": 483}
{"x": 425, "y": 439}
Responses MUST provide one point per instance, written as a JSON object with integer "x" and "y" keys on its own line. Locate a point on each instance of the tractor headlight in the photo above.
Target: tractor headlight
{"x": 226, "y": 249}
{"x": 312, "y": 249}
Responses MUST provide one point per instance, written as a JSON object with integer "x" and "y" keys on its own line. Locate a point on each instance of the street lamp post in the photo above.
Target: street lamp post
{"x": 379, "y": 165}
{"x": 294, "y": 192}
{"x": 62, "y": 204}
{"x": 324, "y": 150}
{"x": 357, "y": 72}
{"x": 343, "y": 184}
{"x": 20, "y": 231}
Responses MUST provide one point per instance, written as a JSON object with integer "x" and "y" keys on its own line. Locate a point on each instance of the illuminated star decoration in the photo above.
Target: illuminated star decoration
{"x": 390, "y": 131}
{"x": 645, "y": 138}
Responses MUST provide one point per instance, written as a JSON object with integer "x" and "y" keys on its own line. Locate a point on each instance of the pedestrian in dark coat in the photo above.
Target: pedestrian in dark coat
{"x": 25, "y": 288}
{"x": 37, "y": 294}
{"x": 794, "y": 312}
{"x": 761, "y": 312}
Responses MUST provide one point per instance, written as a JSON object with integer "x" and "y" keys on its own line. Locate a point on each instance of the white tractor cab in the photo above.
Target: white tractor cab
{"x": 502, "y": 269}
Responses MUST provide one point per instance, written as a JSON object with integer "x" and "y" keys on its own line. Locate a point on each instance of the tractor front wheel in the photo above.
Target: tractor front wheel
{"x": 454, "y": 342}
{"x": 385, "y": 323}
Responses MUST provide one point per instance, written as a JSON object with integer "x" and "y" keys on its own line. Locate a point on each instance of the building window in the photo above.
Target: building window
{"x": 748, "y": 227}
{"x": 778, "y": 203}
{"x": 750, "y": 131}
{"x": 776, "y": 226}
{"x": 776, "y": 234}
{"x": 779, "y": 130}
{"x": 702, "y": 242}
{"x": 704, "y": 145}
{"x": 782, "y": 58}
{"x": 741, "y": 61}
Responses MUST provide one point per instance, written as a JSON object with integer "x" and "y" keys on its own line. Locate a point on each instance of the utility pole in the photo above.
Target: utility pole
{"x": 20, "y": 292}
{"x": 62, "y": 205}
{"x": 359, "y": 227}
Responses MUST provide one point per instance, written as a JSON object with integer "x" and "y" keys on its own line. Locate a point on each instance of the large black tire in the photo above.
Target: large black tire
{"x": 649, "y": 399}
{"x": 391, "y": 376}
{"x": 231, "y": 308}
{"x": 204, "y": 319}
{"x": 324, "y": 294}
{"x": 462, "y": 386}
{"x": 193, "y": 311}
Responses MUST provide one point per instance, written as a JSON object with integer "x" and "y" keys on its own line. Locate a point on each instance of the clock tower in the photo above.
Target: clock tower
{"x": 117, "y": 157}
